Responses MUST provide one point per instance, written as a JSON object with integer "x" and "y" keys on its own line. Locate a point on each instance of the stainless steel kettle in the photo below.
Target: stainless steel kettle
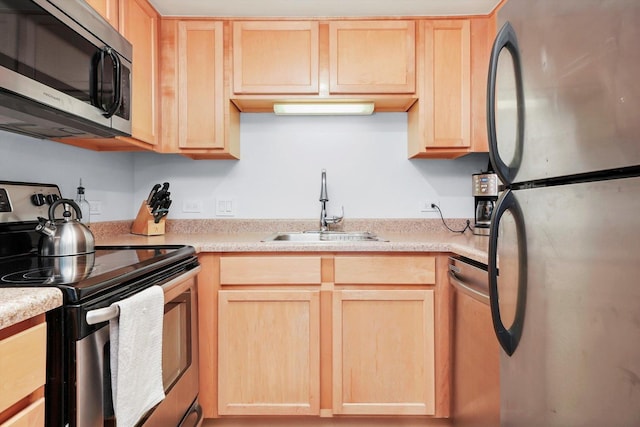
{"x": 66, "y": 236}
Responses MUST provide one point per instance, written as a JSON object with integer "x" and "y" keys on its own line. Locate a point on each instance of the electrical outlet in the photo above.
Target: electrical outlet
{"x": 95, "y": 207}
{"x": 192, "y": 206}
{"x": 426, "y": 205}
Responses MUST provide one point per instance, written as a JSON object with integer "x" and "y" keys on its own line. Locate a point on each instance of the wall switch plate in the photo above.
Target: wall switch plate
{"x": 225, "y": 207}
{"x": 95, "y": 207}
{"x": 192, "y": 206}
{"x": 426, "y": 205}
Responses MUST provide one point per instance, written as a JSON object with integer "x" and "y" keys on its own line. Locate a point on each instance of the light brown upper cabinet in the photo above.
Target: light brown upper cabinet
{"x": 198, "y": 120}
{"x": 108, "y": 9}
{"x": 372, "y": 57}
{"x": 280, "y": 61}
{"x": 448, "y": 119}
{"x": 275, "y": 57}
{"x": 140, "y": 27}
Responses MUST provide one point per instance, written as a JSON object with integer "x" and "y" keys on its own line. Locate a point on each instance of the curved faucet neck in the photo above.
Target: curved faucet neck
{"x": 323, "y": 187}
{"x": 324, "y": 198}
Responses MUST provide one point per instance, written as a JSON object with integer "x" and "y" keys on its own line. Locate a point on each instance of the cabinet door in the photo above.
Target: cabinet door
{"x": 200, "y": 85}
{"x": 275, "y": 57}
{"x": 383, "y": 352}
{"x": 439, "y": 123}
{"x": 108, "y": 9}
{"x": 140, "y": 27}
{"x": 372, "y": 56}
{"x": 268, "y": 352}
{"x": 31, "y": 416}
{"x": 22, "y": 364}
{"x": 448, "y": 83}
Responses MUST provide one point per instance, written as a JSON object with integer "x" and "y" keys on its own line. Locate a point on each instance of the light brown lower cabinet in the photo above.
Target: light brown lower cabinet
{"x": 325, "y": 335}
{"x": 31, "y": 416}
{"x": 23, "y": 349}
{"x": 269, "y": 352}
{"x": 383, "y": 352}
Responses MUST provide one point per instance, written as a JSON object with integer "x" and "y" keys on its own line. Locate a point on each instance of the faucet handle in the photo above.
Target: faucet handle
{"x": 335, "y": 219}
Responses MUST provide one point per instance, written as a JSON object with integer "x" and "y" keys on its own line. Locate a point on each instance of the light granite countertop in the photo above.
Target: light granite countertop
{"x": 17, "y": 304}
{"x": 403, "y": 235}
{"x": 474, "y": 247}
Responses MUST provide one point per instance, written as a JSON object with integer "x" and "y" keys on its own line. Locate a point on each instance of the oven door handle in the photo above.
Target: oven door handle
{"x": 108, "y": 313}
{"x": 100, "y": 315}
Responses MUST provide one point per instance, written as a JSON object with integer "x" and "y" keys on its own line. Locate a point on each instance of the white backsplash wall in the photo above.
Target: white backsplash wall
{"x": 107, "y": 177}
{"x": 278, "y": 175}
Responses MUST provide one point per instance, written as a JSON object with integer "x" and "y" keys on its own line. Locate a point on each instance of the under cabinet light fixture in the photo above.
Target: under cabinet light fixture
{"x": 323, "y": 108}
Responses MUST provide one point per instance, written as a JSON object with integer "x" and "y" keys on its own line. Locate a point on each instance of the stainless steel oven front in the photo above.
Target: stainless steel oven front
{"x": 93, "y": 403}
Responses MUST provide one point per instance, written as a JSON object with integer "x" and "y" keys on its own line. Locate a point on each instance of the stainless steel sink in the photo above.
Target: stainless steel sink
{"x": 324, "y": 236}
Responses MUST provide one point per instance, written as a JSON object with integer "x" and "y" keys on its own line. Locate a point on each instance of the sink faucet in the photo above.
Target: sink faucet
{"x": 324, "y": 219}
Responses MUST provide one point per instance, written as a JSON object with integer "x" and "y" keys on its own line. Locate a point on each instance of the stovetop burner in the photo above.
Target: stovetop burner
{"x": 57, "y": 271}
{"x": 81, "y": 276}
{"x": 42, "y": 276}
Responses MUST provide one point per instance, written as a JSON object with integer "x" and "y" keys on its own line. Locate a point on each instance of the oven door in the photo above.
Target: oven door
{"x": 93, "y": 401}
{"x": 179, "y": 357}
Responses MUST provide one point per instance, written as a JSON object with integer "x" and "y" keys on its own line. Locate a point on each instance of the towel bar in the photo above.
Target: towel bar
{"x": 102, "y": 314}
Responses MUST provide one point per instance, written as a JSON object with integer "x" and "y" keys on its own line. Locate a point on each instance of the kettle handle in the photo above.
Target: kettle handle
{"x": 54, "y": 205}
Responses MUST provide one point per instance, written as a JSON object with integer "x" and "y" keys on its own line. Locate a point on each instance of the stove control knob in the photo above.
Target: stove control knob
{"x": 38, "y": 199}
{"x": 52, "y": 198}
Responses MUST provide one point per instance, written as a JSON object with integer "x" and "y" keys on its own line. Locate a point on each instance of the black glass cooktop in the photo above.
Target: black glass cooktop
{"x": 81, "y": 276}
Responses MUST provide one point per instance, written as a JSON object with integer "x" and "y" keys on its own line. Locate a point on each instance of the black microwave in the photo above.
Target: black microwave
{"x": 64, "y": 71}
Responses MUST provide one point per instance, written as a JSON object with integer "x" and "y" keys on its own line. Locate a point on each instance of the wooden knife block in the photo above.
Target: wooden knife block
{"x": 145, "y": 224}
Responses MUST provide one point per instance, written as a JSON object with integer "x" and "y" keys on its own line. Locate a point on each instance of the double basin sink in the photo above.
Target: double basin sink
{"x": 324, "y": 236}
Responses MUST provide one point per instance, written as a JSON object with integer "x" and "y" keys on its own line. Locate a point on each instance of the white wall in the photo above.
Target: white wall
{"x": 278, "y": 175}
{"x": 107, "y": 177}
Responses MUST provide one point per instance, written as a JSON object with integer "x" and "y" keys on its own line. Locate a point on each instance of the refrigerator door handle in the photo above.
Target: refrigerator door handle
{"x": 508, "y": 338}
{"x": 506, "y": 39}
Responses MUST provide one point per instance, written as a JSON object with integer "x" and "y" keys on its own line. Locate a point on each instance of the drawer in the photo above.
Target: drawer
{"x": 23, "y": 361}
{"x": 385, "y": 270}
{"x": 270, "y": 270}
{"x": 31, "y": 416}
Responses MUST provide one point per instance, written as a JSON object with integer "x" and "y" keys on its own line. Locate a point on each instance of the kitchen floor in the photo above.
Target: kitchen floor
{"x": 326, "y": 422}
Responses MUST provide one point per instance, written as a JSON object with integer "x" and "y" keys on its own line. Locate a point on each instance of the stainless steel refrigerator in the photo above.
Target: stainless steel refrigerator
{"x": 564, "y": 253}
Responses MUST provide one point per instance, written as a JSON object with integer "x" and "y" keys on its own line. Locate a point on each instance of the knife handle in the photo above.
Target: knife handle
{"x": 152, "y": 193}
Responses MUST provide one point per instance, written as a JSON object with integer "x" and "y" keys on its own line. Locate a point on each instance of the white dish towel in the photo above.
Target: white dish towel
{"x": 136, "y": 355}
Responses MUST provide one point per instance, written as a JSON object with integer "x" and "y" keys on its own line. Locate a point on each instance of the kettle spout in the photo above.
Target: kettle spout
{"x": 46, "y": 227}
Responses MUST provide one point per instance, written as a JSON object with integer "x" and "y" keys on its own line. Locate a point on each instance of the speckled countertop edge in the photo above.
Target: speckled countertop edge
{"x": 18, "y": 304}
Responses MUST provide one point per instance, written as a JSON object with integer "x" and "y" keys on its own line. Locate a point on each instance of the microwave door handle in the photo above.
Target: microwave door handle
{"x": 96, "y": 79}
{"x": 117, "y": 82}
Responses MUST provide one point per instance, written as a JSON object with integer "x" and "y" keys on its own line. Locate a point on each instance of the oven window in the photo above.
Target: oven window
{"x": 176, "y": 335}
